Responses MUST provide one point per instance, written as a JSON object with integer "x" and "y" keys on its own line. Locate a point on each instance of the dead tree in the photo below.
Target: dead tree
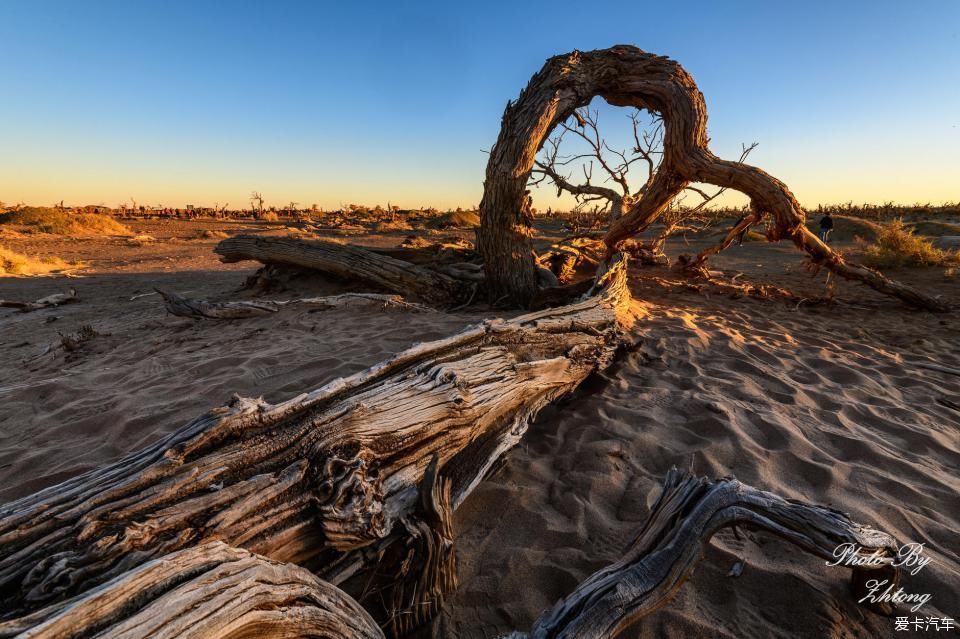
{"x": 215, "y": 591}
{"x": 615, "y": 164}
{"x": 325, "y": 476}
{"x": 256, "y": 201}
{"x": 626, "y": 76}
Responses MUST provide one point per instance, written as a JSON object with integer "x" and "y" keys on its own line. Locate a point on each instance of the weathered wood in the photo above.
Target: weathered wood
{"x": 57, "y": 299}
{"x": 416, "y": 573}
{"x": 202, "y": 309}
{"x": 626, "y": 76}
{"x": 348, "y": 262}
{"x": 330, "y": 471}
{"x": 210, "y": 591}
{"x": 671, "y": 543}
{"x": 217, "y": 592}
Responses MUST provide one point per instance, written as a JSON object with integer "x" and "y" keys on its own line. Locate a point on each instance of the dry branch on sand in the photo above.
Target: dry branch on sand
{"x": 202, "y": 309}
{"x": 57, "y": 299}
{"x": 214, "y": 590}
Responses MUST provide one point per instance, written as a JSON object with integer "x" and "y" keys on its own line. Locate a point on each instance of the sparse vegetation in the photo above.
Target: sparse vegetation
{"x": 207, "y": 234}
{"x": 56, "y": 222}
{"x": 897, "y": 246}
{"x": 458, "y": 219}
{"x": 12, "y": 263}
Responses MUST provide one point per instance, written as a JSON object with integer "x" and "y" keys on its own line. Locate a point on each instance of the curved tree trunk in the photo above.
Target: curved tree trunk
{"x": 626, "y": 76}
{"x": 331, "y": 471}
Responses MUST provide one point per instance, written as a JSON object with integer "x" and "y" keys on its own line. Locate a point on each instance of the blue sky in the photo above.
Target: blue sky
{"x": 315, "y": 102}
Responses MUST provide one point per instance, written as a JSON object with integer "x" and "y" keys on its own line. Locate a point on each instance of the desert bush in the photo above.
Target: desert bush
{"x": 73, "y": 341}
{"x": 269, "y": 216}
{"x": 55, "y": 222}
{"x": 207, "y": 234}
{"x": 897, "y": 246}
{"x": 12, "y": 263}
{"x": 456, "y": 220}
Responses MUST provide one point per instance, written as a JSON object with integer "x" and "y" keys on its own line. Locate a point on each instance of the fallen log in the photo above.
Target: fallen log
{"x": 331, "y": 471}
{"x": 348, "y": 262}
{"x": 208, "y": 591}
{"x": 57, "y": 299}
{"x": 202, "y": 309}
{"x": 215, "y": 591}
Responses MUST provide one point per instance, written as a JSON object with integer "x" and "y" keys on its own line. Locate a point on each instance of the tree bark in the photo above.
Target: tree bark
{"x": 331, "y": 471}
{"x": 626, "y": 76}
{"x": 217, "y": 592}
{"x": 348, "y": 262}
{"x": 211, "y": 591}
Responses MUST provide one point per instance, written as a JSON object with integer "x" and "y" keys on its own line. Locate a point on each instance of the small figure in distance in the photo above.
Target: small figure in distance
{"x": 826, "y": 226}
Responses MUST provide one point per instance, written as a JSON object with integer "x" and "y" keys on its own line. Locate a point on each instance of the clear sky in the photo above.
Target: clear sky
{"x": 329, "y": 103}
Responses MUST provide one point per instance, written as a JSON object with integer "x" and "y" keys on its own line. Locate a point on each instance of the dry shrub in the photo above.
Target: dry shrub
{"x": 389, "y": 226}
{"x": 73, "y": 341}
{"x": 269, "y": 216}
{"x": 207, "y": 234}
{"x": 16, "y": 264}
{"x": 896, "y": 246}
{"x": 456, "y": 220}
{"x": 141, "y": 240}
{"x": 55, "y": 222}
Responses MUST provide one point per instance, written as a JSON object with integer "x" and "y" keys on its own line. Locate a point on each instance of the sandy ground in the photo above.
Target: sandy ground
{"x": 810, "y": 401}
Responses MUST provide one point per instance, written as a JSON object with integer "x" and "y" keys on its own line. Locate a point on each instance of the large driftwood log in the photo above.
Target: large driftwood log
{"x": 348, "y": 262}
{"x": 211, "y": 591}
{"x": 626, "y": 76}
{"x": 218, "y": 592}
{"x": 330, "y": 471}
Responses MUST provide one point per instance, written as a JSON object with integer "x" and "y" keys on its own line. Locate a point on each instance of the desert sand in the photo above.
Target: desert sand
{"x": 811, "y": 401}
